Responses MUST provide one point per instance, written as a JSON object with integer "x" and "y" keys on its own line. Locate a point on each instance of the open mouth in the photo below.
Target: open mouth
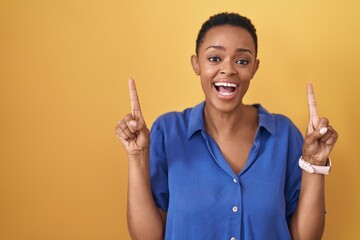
{"x": 225, "y": 89}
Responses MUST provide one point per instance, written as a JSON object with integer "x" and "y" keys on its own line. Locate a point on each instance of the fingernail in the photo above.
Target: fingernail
{"x": 133, "y": 123}
{"x": 323, "y": 130}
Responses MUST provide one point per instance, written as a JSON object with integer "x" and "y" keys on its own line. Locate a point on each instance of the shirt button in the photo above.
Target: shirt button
{"x": 235, "y": 209}
{"x": 233, "y": 238}
{"x": 235, "y": 181}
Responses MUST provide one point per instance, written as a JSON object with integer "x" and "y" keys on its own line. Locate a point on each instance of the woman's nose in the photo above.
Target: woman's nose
{"x": 227, "y": 68}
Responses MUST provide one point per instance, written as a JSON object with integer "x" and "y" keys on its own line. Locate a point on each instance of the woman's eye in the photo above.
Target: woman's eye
{"x": 242, "y": 62}
{"x": 214, "y": 59}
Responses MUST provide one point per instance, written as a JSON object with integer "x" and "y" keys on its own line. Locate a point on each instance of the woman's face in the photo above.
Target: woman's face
{"x": 226, "y": 63}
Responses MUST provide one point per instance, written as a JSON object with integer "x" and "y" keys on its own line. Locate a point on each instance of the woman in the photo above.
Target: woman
{"x": 223, "y": 169}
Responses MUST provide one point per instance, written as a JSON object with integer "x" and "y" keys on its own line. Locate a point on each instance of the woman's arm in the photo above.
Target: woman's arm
{"x": 308, "y": 221}
{"x": 145, "y": 221}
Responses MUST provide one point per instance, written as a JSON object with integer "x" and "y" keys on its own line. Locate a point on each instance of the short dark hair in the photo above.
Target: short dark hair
{"x": 225, "y": 18}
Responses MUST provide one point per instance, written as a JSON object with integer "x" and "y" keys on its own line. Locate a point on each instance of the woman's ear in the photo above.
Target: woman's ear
{"x": 256, "y": 67}
{"x": 195, "y": 64}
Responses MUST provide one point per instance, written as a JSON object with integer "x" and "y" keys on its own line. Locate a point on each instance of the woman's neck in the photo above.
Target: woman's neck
{"x": 241, "y": 119}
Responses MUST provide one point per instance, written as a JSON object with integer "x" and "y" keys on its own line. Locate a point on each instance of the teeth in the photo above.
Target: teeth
{"x": 225, "y": 84}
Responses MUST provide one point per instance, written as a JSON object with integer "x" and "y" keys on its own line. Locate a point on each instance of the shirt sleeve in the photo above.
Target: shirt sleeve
{"x": 158, "y": 167}
{"x": 293, "y": 171}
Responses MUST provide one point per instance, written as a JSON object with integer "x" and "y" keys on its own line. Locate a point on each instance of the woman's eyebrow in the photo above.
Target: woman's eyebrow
{"x": 223, "y": 48}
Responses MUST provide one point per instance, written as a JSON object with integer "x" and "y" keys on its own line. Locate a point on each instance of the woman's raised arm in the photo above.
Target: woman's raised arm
{"x": 145, "y": 221}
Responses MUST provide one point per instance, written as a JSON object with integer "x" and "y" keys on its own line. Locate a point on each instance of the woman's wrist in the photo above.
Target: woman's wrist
{"x": 313, "y": 168}
{"x": 315, "y": 162}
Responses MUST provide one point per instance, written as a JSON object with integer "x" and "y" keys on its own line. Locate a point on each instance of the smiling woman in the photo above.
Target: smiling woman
{"x": 224, "y": 169}
{"x": 64, "y": 67}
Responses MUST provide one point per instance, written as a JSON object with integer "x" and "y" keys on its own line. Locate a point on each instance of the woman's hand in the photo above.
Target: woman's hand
{"x": 320, "y": 137}
{"x": 132, "y": 130}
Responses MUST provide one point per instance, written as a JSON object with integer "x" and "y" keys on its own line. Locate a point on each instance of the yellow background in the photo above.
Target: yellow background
{"x": 64, "y": 67}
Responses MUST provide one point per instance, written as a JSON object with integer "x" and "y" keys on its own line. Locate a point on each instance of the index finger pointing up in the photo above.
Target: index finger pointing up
{"x": 134, "y": 100}
{"x": 311, "y": 101}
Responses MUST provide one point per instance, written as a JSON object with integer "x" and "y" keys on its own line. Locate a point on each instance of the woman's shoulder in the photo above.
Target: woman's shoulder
{"x": 183, "y": 115}
{"x": 173, "y": 116}
{"x": 180, "y": 118}
{"x": 280, "y": 121}
{"x": 272, "y": 115}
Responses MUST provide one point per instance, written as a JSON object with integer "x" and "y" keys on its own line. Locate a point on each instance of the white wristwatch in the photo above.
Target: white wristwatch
{"x": 308, "y": 167}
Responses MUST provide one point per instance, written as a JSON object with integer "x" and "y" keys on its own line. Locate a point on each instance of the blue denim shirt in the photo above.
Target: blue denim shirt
{"x": 205, "y": 199}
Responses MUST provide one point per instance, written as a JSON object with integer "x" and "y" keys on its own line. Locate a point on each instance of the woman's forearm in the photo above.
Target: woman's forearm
{"x": 308, "y": 221}
{"x": 144, "y": 221}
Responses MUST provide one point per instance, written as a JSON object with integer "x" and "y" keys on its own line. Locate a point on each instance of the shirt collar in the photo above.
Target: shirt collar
{"x": 266, "y": 120}
{"x": 196, "y": 119}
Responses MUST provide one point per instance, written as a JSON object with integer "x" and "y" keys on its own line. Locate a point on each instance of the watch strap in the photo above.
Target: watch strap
{"x": 308, "y": 167}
